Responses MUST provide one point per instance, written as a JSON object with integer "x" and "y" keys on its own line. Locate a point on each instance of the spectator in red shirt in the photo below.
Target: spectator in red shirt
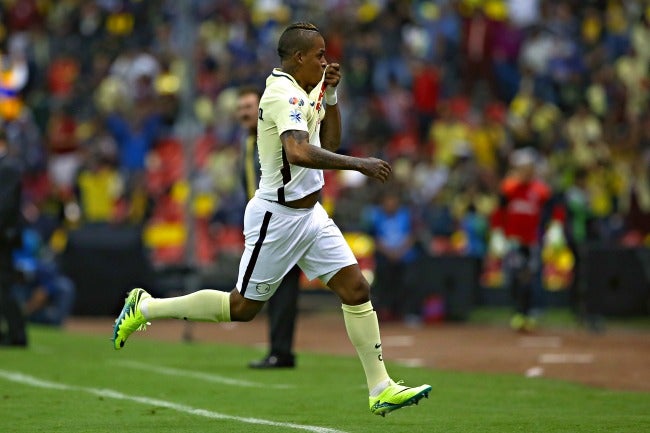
{"x": 425, "y": 91}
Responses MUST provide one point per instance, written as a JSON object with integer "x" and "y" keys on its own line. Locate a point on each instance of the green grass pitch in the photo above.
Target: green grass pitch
{"x": 68, "y": 382}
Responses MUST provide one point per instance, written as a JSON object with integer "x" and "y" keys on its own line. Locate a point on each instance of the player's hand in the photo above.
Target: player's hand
{"x": 333, "y": 75}
{"x": 375, "y": 168}
{"x": 498, "y": 243}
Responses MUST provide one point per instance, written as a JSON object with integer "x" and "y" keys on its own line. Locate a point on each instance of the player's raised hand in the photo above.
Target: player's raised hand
{"x": 375, "y": 168}
{"x": 333, "y": 75}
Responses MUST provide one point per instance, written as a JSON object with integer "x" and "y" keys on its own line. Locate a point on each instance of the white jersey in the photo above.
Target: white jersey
{"x": 286, "y": 106}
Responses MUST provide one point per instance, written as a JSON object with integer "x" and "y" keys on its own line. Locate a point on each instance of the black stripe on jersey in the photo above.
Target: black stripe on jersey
{"x": 286, "y": 176}
{"x": 281, "y": 199}
{"x": 281, "y": 75}
{"x": 256, "y": 252}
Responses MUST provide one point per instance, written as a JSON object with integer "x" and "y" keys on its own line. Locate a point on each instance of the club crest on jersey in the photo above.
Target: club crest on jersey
{"x": 296, "y": 101}
{"x": 295, "y": 116}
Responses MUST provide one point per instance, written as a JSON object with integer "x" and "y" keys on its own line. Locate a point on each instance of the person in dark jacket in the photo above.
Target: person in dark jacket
{"x": 283, "y": 307}
{"x": 12, "y": 322}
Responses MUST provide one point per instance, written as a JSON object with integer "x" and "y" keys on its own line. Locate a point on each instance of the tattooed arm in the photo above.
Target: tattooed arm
{"x": 300, "y": 152}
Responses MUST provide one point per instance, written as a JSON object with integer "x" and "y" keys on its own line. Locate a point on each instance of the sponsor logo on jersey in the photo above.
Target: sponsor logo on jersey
{"x": 296, "y": 101}
{"x": 295, "y": 116}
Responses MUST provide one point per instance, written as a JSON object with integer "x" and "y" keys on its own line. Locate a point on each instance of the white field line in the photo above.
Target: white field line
{"x": 208, "y": 377}
{"x": 410, "y": 362}
{"x": 398, "y": 340}
{"x": 534, "y": 372}
{"x": 566, "y": 358}
{"x": 18, "y": 377}
{"x": 540, "y": 342}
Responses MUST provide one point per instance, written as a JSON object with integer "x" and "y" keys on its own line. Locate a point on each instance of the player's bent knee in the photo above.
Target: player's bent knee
{"x": 357, "y": 295}
{"x": 243, "y": 309}
{"x": 351, "y": 286}
{"x": 242, "y": 316}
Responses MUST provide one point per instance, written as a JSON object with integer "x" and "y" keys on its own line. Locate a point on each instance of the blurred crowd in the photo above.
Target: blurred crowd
{"x": 122, "y": 112}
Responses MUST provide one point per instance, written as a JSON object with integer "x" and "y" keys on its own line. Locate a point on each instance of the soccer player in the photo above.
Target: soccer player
{"x": 283, "y": 305}
{"x": 526, "y": 217}
{"x": 285, "y": 225}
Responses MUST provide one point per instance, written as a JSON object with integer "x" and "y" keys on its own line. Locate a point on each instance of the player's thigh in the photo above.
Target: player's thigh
{"x": 328, "y": 253}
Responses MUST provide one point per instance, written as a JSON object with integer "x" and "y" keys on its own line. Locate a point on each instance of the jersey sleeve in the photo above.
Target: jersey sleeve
{"x": 287, "y": 111}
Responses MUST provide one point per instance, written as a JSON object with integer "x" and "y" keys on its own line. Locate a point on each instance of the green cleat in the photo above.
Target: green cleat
{"x": 518, "y": 322}
{"x": 522, "y": 323}
{"x": 396, "y": 396}
{"x": 130, "y": 319}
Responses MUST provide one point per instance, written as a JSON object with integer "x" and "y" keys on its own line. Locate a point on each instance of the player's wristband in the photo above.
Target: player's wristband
{"x": 330, "y": 96}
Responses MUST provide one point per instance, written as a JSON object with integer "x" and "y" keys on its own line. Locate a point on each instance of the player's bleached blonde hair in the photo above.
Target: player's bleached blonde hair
{"x": 296, "y": 37}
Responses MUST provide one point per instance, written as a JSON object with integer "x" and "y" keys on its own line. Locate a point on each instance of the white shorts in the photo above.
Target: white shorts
{"x": 279, "y": 237}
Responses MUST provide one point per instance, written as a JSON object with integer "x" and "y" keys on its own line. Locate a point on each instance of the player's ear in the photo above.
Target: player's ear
{"x": 298, "y": 57}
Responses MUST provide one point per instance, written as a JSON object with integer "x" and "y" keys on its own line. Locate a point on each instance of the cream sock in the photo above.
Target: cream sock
{"x": 363, "y": 331}
{"x": 204, "y": 306}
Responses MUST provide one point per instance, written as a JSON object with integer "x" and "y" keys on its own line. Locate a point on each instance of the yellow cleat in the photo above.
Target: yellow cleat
{"x": 131, "y": 318}
{"x": 396, "y": 396}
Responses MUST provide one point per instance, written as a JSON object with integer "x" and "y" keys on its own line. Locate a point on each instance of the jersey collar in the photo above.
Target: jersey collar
{"x": 277, "y": 73}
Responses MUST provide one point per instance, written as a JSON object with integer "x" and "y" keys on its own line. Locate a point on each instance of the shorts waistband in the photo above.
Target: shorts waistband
{"x": 276, "y": 207}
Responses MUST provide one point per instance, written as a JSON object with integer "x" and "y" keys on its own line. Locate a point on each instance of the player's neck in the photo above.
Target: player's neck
{"x": 292, "y": 70}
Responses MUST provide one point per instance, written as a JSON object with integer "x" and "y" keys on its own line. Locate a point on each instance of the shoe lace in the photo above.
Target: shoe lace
{"x": 143, "y": 327}
{"x": 400, "y": 385}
